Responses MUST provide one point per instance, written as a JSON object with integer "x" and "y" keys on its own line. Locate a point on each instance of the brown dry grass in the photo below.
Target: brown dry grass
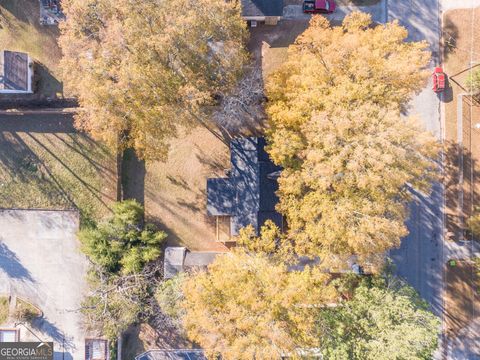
{"x": 4, "y": 309}
{"x": 461, "y": 299}
{"x": 175, "y": 190}
{"x": 459, "y": 38}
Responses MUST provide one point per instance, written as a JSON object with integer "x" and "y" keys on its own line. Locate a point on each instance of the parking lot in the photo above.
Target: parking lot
{"x": 41, "y": 263}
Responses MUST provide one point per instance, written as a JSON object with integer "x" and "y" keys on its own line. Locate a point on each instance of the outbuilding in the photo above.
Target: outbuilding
{"x": 16, "y": 72}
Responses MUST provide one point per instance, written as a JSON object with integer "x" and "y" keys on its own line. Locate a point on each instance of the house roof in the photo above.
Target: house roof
{"x": 187, "y": 354}
{"x": 14, "y": 71}
{"x": 260, "y": 8}
{"x": 248, "y": 194}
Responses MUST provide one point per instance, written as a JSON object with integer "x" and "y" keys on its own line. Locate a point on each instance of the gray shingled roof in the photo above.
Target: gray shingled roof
{"x": 262, "y": 8}
{"x": 248, "y": 194}
{"x": 179, "y": 259}
{"x": 14, "y": 71}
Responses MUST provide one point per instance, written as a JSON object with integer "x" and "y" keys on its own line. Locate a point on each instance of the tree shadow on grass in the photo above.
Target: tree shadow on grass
{"x": 45, "y": 83}
{"x": 450, "y": 35}
{"x": 133, "y": 176}
{"x": 461, "y": 194}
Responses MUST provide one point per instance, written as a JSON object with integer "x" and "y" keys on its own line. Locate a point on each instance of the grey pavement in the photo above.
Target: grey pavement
{"x": 420, "y": 257}
{"x": 378, "y": 12}
{"x": 423, "y": 253}
{"x": 40, "y": 262}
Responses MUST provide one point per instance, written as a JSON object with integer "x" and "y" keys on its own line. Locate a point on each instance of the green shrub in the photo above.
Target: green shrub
{"x": 123, "y": 243}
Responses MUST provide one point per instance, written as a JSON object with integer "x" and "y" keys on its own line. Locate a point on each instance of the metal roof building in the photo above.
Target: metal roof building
{"x": 16, "y": 71}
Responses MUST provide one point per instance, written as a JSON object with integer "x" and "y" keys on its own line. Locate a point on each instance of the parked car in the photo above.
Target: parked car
{"x": 438, "y": 79}
{"x": 319, "y": 6}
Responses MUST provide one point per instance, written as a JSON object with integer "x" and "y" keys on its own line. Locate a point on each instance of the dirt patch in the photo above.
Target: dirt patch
{"x": 461, "y": 298}
{"x": 269, "y": 44}
{"x": 142, "y": 337}
{"x": 461, "y": 41}
{"x": 175, "y": 190}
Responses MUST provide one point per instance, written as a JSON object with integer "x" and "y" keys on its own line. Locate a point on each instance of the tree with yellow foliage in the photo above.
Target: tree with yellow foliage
{"x": 335, "y": 126}
{"x": 141, "y": 69}
{"x": 246, "y": 307}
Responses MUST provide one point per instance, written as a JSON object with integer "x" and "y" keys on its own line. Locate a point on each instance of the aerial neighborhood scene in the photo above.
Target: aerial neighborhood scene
{"x": 239, "y": 179}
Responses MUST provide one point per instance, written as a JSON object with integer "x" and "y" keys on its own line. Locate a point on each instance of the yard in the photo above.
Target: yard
{"x": 46, "y": 164}
{"x": 20, "y": 31}
{"x": 174, "y": 191}
{"x": 461, "y": 53}
{"x": 462, "y": 308}
{"x": 461, "y": 46}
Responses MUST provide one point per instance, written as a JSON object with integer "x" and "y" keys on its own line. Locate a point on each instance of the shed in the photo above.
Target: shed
{"x": 179, "y": 259}
{"x": 16, "y": 72}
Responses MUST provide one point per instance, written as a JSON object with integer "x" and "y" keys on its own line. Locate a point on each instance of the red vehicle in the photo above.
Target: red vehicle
{"x": 319, "y": 6}
{"x": 438, "y": 78}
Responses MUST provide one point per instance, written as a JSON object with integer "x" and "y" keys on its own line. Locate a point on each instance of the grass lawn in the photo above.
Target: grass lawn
{"x": 20, "y": 31}
{"x": 54, "y": 168}
{"x": 460, "y": 37}
{"x": 4, "y": 305}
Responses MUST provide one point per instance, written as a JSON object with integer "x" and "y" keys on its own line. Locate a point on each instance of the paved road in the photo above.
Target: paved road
{"x": 420, "y": 258}
{"x": 423, "y": 253}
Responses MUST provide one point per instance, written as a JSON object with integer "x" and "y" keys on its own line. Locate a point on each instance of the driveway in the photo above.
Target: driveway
{"x": 294, "y": 10}
{"x": 40, "y": 262}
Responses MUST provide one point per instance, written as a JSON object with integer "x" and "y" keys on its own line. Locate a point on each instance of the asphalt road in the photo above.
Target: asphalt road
{"x": 420, "y": 258}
